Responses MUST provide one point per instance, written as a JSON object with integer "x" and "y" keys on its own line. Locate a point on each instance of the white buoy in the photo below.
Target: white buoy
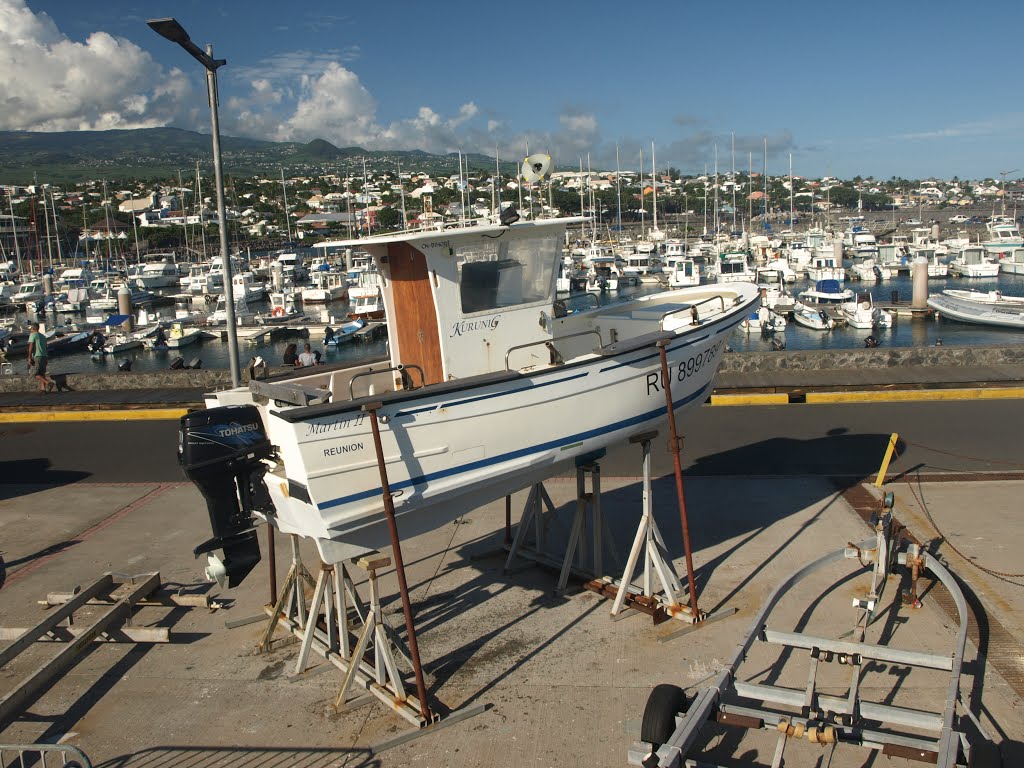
{"x": 919, "y": 273}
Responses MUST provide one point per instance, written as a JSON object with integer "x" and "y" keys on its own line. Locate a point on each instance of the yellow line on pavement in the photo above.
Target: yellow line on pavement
{"x": 919, "y": 395}
{"x": 144, "y": 414}
{"x": 763, "y": 398}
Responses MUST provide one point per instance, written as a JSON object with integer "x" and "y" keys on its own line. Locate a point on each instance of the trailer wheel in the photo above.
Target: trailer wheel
{"x": 665, "y": 702}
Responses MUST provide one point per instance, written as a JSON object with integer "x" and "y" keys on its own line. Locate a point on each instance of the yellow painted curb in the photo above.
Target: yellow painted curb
{"x": 919, "y": 395}
{"x": 764, "y": 398}
{"x": 145, "y": 414}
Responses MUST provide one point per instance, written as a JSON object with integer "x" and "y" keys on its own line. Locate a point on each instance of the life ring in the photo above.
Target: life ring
{"x": 278, "y": 312}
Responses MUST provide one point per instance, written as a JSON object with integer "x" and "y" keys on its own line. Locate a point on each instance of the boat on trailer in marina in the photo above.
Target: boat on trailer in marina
{"x": 490, "y": 386}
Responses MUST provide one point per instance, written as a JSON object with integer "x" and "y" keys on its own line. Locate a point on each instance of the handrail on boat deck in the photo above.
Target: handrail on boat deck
{"x": 401, "y": 368}
{"x": 594, "y": 331}
{"x": 695, "y": 315}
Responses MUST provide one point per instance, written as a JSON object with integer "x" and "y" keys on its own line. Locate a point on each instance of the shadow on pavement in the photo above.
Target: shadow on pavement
{"x": 16, "y": 474}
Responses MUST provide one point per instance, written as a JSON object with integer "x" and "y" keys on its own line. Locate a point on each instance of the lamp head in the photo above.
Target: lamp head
{"x": 169, "y": 29}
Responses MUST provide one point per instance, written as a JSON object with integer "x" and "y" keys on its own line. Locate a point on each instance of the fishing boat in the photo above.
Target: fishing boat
{"x": 489, "y": 388}
{"x": 826, "y": 268}
{"x": 1003, "y": 314}
{"x": 282, "y": 309}
{"x": 870, "y": 270}
{"x": 684, "y": 272}
{"x": 324, "y": 287}
{"x": 1003, "y": 236}
{"x": 733, "y": 268}
{"x": 826, "y": 293}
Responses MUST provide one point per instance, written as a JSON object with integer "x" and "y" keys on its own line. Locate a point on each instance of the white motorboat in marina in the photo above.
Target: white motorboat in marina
{"x": 28, "y": 291}
{"x": 344, "y": 333}
{"x": 1013, "y": 262}
{"x": 490, "y": 388}
{"x": 826, "y": 293}
{"x": 973, "y": 262}
{"x": 764, "y": 320}
{"x": 1003, "y": 314}
{"x": 862, "y": 313}
{"x": 324, "y": 287}
{"x": 871, "y": 271}
{"x": 161, "y": 272}
{"x": 733, "y": 268}
{"x": 1003, "y": 236}
{"x": 826, "y": 267}
{"x": 181, "y": 336}
{"x": 985, "y": 297}
{"x": 282, "y": 309}
{"x": 771, "y": 283}
{"x": 815, "y": 319}
{"x": 684, "y": 272}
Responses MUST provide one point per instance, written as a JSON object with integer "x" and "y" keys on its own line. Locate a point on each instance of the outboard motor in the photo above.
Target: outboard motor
{"x": 221, "y": 450}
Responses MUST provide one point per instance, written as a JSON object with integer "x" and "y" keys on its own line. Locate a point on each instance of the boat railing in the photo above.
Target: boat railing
{"x": 693, "y": 309}
{"x": 549, "y": 343}
{"x": 400, "y": 368}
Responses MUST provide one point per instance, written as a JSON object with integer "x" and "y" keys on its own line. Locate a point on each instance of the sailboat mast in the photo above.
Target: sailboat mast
{"x": 618, "y": 192}
{"x": 718, "y": 223}
{"x": 791, "y": 190}
{"x": 654, "y": 184}
{"x": 287, "y": 220}
{"x": 733, "y": 180}
{"x": 643, "y": 236}
{"x": 14, "y": 227}
{"x": 765, "y": 167}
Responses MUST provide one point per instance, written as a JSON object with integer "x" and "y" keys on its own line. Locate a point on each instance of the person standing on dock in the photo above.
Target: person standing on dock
{"x": 37, "y": 358}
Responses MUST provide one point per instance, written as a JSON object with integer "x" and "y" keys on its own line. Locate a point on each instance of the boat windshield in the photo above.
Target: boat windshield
{"x": 495, "y": 274}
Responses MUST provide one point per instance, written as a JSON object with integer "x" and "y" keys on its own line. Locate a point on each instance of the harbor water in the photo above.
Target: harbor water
{"x": 905, "y": 332}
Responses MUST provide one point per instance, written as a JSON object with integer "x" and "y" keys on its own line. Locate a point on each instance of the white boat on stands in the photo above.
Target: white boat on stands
{"x": 1003, "y": 314}
{"x": 972, "y": 261}
{"x": 810, "y": 317}
{"x": 1013, "y": 262}
{"x": 862, "y": 313}
{"x": 490, "y": 389}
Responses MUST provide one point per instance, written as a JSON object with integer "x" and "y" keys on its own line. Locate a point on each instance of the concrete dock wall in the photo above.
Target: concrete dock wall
{"x": 733, "y": 362}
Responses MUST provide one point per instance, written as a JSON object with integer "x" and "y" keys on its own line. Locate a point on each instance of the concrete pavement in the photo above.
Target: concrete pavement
{"x": 565, "y": 683}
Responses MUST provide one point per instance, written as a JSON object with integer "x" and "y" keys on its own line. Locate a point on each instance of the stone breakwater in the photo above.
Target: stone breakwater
{"x": 735, "y": 362}
{"x": 864, "y": 359}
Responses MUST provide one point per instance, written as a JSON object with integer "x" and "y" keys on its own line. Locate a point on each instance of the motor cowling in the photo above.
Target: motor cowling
{"x": 222, "y": 450}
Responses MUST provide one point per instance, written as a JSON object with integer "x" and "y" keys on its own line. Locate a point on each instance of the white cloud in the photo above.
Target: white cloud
{"x": 585, "y": 125}
{"x": 52, "y": 83}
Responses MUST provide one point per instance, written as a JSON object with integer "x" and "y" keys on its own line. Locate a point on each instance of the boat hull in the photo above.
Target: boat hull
{"x": 450, "y": 452}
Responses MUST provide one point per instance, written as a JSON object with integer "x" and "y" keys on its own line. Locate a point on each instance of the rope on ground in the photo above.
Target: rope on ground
{"x": 1001, "y": 575}
{"x": 961, "y": 455}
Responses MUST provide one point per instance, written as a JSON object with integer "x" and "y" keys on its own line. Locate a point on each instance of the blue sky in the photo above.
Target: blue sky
{"x": 900, "y": 88}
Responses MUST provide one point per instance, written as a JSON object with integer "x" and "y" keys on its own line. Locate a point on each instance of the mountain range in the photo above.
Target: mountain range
{"x": 69, "y": 156}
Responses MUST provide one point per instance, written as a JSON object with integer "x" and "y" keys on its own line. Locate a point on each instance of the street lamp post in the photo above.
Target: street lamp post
{"x": 1004, "y": 174}
{"x": 170, "y": 29}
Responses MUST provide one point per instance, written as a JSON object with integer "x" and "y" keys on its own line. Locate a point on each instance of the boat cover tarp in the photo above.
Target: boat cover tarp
{"x": 828, "y": 286}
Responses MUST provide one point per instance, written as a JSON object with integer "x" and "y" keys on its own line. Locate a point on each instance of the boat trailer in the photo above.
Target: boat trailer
{"x": 672, "y": 724}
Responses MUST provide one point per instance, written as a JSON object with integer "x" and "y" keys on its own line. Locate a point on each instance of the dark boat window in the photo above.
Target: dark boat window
{"x": 495, "y": 275}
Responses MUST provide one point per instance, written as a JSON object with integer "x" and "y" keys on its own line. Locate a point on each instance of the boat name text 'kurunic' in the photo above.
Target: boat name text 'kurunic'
{"x": 464, "y": 327}
{"x": 688, "y": 367}
{"x": 334, "y": 426}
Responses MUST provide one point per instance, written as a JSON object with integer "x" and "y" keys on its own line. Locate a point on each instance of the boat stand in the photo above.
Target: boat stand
{"x": 354, "y": 636}
{"x": 347, "y": 632}
{"x": 588, "y": 533}
{"x": 660, "y": 593}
